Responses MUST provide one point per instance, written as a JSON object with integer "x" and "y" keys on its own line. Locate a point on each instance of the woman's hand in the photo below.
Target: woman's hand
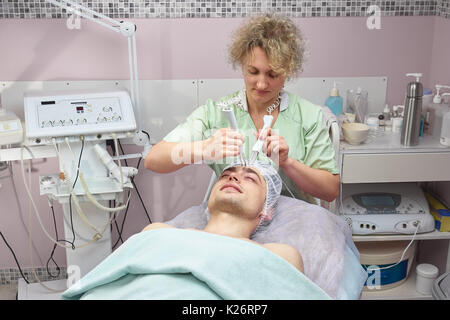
{"x": 224, "y": 143}
{"x": 275, "y": 147}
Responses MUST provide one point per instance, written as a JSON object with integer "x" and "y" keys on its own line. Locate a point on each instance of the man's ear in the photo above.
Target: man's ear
{"x": 268, "y": 215}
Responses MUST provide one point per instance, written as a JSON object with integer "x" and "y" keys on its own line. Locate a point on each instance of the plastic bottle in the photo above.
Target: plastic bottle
{"x": 394, "y": 112}
{"x": 445, "y": 131}
{"x": 422, "y": 124}
{"x": 388, "y": 125}
{"x": 334, "y": 101}
{"x": 397, "y": 124}
{"x": 427, "y": 97}
{"x": 386, "y": 113}
{"x": 435, "y": 112}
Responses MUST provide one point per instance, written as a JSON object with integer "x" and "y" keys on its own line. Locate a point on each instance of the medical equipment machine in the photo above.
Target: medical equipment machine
{"x": 77, "y": 125}
{"x": 257, "y": 147}
{"x": 95, "y": 115}
{"x": 385, "y": 208}
{"x": 229, "y": 114}
{"x": 127, "y": 29}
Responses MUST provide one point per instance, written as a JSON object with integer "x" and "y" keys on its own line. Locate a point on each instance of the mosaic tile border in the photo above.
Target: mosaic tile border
{"x": 443, "y": 9}
{"x": 39, "y": 9}
{"x": 11, "y": 276}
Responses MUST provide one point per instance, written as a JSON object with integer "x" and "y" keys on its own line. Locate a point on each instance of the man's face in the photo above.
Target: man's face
{"x": 240, "y": 190}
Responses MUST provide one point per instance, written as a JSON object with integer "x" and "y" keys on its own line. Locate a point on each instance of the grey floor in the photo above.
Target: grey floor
{"x": 8, "y": 291}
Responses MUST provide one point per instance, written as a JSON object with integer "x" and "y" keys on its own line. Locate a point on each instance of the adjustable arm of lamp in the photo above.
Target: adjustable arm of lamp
{"x": 127, "y": 29}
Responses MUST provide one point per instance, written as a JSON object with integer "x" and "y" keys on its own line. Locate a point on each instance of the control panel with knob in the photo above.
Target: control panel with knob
{"x": 73, "y": 114}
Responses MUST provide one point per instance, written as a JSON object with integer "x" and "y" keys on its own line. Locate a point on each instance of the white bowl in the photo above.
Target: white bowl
{"x": 355, "y": 133}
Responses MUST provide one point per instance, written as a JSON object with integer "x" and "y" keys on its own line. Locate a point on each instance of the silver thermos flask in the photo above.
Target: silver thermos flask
{"x": 413, "y": 110}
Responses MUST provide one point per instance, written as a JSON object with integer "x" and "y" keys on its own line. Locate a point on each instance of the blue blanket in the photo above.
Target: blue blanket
{"x": 186, "y": 264}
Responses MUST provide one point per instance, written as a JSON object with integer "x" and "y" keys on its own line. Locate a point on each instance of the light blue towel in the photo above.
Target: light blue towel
{"x": 186, "y": 264}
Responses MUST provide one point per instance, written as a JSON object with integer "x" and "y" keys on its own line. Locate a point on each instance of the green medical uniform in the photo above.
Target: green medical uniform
{"x": 299, "y": 122}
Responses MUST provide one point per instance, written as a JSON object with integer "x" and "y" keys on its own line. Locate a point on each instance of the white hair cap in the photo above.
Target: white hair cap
{"x": 273, "y": 187}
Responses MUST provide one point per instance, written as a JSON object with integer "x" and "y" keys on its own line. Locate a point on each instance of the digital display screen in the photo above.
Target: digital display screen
{"x": 377, "y": 201}
{"x": 80, "y": 108}
{"x": 44, "y": 103}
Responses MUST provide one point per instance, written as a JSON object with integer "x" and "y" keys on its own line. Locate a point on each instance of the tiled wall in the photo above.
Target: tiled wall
{"x": 31, "y": 9}
{"x": 443, "y": 8}
{"x": 11, "y": 276}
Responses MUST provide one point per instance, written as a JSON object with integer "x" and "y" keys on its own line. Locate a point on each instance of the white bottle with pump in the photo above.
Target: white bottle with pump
{"x": 436, "y": 111}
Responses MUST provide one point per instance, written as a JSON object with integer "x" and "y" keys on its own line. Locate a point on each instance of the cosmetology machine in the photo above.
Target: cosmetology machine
{"x": 77, "y": 125}
{"x": 386, "y": 208}
{"x": 74, "y": 126}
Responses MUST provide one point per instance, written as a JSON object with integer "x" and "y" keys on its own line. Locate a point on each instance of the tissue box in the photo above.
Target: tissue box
{"x": 440, "y": 213}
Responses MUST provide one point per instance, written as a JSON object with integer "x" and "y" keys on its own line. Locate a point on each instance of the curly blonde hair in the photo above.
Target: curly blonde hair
{"x": 278, "y": 36}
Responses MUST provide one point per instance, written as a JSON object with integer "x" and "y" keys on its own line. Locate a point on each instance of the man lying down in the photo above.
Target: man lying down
{"x": 218, "y": 262}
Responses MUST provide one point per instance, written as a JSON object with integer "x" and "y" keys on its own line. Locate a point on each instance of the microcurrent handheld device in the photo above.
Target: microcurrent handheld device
{"x": 229, "y": 113}
{"x": 257, "y": 147}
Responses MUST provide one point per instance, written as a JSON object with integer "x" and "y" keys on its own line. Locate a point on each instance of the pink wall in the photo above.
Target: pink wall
{"x": 440, "y": 58}
{"x": 196, "y": 48}
{"x": 193, "y": 49}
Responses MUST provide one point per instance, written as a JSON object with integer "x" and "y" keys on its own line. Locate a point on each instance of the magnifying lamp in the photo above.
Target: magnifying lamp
{"x": 128, "y": 30}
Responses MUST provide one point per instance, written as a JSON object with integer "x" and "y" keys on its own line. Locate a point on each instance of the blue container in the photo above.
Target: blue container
{"x": 335, "y": 104}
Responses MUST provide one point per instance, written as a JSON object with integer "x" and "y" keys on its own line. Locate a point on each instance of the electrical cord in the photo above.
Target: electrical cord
{"x": 403, "y": 254}
{"x": 89, "y": 195}
{"x": 119, "y": 231}
{"x": 53, "y": 250}
{"x": 30, "y": 196}
{"x": 15, "y": 258}
{"x": 73, "y": 199}
{"x": 70, "y": 196}
{"x": 98, "y": 234}
{"x": 123, "y": 224}
{"x": 139, "y": 195}
{"x": 21, "y": 213}
{"x": 134, "y": 184}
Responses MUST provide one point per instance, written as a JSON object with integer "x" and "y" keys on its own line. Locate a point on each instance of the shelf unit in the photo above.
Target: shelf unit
{"x": 381, "y": 159}
{"x": 434, "y": 235}
{"x": 406, "y": 290}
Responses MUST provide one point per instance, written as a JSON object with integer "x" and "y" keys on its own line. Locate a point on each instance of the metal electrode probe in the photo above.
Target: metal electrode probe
{"x": 229, "y": 113}
{"x": 257, "y": 147}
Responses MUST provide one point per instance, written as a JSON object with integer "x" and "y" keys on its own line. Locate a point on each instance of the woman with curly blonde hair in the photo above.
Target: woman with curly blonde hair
{"x": 269, "y": 49}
